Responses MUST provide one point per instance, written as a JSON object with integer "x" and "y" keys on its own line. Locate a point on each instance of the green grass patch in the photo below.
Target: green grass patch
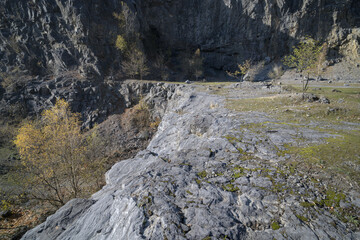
{"x": 237, "y": 175}
{"x": 332, "y": 199}
{"x": 307, "y": 204}
{"x": 230, "y": 188}
{"x": 338, "y": 155}
{"x": 207, "y": 238}
{"x": 302, "y": 218}
{"x": 344, "y": 106}
{"x": 275, "y": 226}
{"x": 202, "y": 174}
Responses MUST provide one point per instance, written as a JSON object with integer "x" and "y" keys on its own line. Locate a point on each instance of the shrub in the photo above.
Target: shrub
{"x": 141, "y": 116}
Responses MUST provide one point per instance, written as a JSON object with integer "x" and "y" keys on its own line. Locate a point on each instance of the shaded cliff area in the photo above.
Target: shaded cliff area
{"x": 58, "y": 41}
{"x": 46, "y": 38}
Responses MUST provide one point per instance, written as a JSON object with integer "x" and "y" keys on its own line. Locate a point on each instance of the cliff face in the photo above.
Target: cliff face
{"x": 47, "y": 37}
{"x": 229, "y": 30}
{"x": 42, "y": 37}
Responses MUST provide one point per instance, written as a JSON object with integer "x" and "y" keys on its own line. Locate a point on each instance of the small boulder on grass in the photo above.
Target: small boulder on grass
{"x": 324, "y": 100}
{"x": 310, "y": 97}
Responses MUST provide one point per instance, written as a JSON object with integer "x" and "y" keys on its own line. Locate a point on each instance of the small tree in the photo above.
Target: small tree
{"x": 126, "y": 21}
{"x": 135, "y": 64}
{"x": 242, "y": 70}
{"x": 304, "y": 57}
{"x": 192, "y": 64}
{"x": 56, "y": 156}
{"x": 196, "y": 64}
{"x": 129, "y": 44}
{"x": 160, "y": 64}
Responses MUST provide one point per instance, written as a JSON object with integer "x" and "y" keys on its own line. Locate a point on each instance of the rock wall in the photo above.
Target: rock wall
{"x": 94, "y": 100}
{"x": 48, "y": 37}
{"x": 230, "y": 31}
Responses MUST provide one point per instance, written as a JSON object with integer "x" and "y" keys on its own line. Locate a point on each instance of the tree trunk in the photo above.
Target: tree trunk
{"x": 305, "y": 85}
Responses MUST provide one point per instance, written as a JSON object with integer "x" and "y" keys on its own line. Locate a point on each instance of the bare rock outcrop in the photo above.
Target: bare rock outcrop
{"x": 205, "y": 175}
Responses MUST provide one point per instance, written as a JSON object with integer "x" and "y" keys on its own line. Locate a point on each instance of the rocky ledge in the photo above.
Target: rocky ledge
{"x": 209, "y": 173}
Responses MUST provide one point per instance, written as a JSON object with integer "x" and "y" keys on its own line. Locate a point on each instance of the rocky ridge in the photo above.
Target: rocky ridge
{"x": 209, "y": 173}
{"x": 94, "y": 100}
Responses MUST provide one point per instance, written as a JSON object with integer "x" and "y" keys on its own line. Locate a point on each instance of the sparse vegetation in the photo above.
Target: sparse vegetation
{"x": 161, "y": 65}
{"x": 202, "y": 174}
{"x": 121, "y": 44}
{"x": 336, "y": 156}
{"x": 276, "y": 72}
{"x": 302, "y": 218}
{"x": 321, "y": 59}
{"x": 13, "y": 79}
{"x": 140, "y": 116}
{"x": 126, "y": 21}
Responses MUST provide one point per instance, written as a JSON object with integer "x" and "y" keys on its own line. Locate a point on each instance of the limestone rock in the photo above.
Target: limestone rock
{"x": 194, "y": 182}
{"x": 49, "y": 37}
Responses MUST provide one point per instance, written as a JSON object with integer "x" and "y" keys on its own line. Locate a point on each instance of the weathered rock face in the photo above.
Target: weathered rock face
{"x": 41, "y": 37}
{"x": 205, "y": 175}
{"x": 228, "y": 31}
{"x": 94, "y": 100}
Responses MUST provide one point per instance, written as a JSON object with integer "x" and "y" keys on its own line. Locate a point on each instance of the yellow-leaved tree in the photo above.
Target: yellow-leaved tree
{"x": 304, "y": 57}
{"x": 60, "y": 162}
{"x": 244, "y": 68}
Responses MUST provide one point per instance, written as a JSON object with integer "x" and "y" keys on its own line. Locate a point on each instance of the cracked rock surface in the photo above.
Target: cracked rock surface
{"x": 208, "y": 173}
